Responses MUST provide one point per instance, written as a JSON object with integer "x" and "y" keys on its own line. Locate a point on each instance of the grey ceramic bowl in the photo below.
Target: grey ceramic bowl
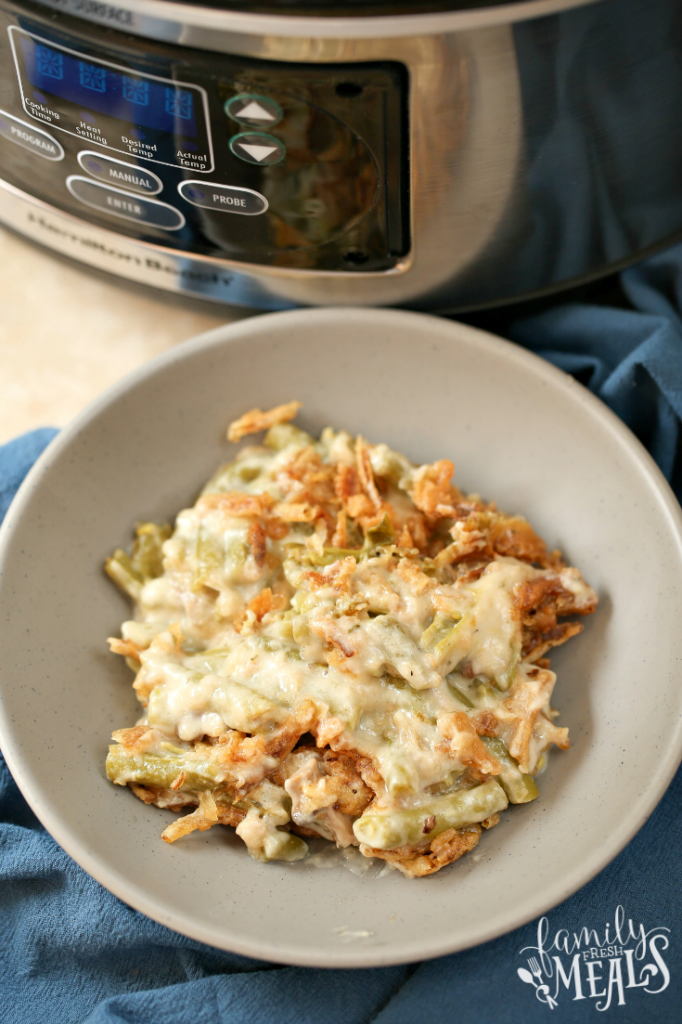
{"x": 520, "y": 432}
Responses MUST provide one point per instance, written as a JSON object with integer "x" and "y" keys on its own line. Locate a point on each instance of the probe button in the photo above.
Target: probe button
{"x": 228, "y": 198}
{"x": 123, "y": 204}
{"x": 253, "y": 110}
{"x": 257, "y": 148}
{"x": 117, "y": 172}
{"x": 29, "y": 137}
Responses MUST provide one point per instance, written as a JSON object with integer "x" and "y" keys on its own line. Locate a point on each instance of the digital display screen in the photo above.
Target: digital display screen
{"x": 140, "y": 114}
{"x": 131, "y": 98}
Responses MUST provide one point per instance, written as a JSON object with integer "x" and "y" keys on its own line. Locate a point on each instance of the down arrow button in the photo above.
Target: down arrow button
{"x": 257, "y": 148}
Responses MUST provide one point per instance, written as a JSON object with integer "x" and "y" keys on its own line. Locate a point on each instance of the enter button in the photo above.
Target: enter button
{"x": 228, "y": 198}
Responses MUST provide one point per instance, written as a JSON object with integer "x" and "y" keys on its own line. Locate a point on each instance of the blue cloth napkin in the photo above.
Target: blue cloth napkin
{"x": 72, "y": 952}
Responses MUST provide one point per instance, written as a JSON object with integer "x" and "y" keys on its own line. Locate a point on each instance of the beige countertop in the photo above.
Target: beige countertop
{"x": 67, "y": 333}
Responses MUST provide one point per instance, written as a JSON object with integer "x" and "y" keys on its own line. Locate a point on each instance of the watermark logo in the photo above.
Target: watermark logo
{"x": 605, "y": 965}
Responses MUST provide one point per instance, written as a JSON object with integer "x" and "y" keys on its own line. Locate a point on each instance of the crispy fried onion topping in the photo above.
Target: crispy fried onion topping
{"x": 465, "y": 744}
{"x": 255, "y": 419}
{"x": 416, "y": 861}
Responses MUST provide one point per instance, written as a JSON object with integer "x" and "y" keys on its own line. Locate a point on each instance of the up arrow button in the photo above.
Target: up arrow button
{"x": 257, "y": 148}
{"x": 254, "y": 111}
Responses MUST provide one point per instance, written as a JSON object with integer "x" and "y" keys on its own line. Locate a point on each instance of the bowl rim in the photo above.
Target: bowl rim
{"x": 133, "y": 894}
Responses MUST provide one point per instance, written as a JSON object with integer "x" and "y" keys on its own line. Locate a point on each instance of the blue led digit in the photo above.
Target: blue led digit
{"x": 137, "y": 104}
{"x": 179, "y": 103}
{"x": 92, "y": 77}
{"x": 50, "y": 62}
{"x": 136, "y": 90}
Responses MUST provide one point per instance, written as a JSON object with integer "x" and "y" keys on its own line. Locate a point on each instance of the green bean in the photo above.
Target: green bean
{"x": 331, "y": 555}
{"x": 154, "y": 770}
{"x": 278, "y": 644}
{"x": 440, "y": 630}
{"x": 282, "y": 846}
{"x": 300, "y": 631}
{"x": 131, "y": 572}
{"x": 238, "y": 706}
{"x": 209, "y": 554}
{"x": 519, "y": 786}
{"x": 282, "y": 435}
{"x": 147, "y": 553}
{"x": 381, "y": 535}
{"x": 392, "y": 466}
{"x": 459, "y": 693}
{"x": 270, "y": 802}
{"x": 389, "y": 829}
{"x": 400, "y": 774}
{"x": 449, "y": 646}
{"x": 232, "y": 476}
{"x": 485, "y": 694}
{"x": 504, "y": 679}
{"x": 401, "y": 653}
{"x": 269, "y": 806}
{"x": 121, "y": 570}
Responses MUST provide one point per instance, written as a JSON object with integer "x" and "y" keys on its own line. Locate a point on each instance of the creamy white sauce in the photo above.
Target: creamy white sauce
{"x": 383, "y": 653}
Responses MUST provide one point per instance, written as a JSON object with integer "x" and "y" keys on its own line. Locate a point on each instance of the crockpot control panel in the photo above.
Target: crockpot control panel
{"x": 299, "y": 166}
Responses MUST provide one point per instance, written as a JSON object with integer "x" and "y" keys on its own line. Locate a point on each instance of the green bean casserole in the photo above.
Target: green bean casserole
{"x": 333, "y": 642}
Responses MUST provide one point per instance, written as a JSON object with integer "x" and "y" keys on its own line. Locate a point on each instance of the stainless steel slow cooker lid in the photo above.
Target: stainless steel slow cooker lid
{"x": 346, "y": 8}
{"x": 265, "y": 25}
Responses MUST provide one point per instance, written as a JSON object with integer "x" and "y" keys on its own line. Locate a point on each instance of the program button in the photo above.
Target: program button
{"x": 228, "y": 198}
{"x": 29, "y": 137}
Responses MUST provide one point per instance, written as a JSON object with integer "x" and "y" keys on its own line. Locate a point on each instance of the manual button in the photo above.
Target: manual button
{"x": 228, "y": 198}
{"x": 117, "y": 172}
{"x": 29, "y": 137}
{"x": 123, "y": 204}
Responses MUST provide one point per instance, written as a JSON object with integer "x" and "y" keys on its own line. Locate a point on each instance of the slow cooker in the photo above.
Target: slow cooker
{"x": 437, "y": 155}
